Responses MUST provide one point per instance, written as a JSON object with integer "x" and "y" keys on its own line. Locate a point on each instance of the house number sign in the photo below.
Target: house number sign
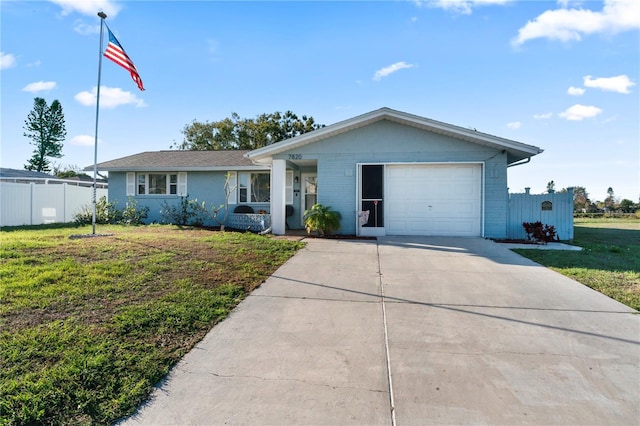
{"x": 295, "y": 156}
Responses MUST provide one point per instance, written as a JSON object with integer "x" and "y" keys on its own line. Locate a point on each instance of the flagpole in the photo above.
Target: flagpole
{"x": 102, "y": 16}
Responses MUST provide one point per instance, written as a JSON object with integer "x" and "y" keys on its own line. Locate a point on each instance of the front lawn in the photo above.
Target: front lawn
{"x": 609, "y": 263}
{"x": 88, "y": 326}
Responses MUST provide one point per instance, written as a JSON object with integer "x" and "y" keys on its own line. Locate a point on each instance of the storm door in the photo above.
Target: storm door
{"x": 372, "y": 195}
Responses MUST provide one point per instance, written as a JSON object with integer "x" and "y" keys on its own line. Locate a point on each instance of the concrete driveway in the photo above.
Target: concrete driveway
{"x": 411, "y": 331}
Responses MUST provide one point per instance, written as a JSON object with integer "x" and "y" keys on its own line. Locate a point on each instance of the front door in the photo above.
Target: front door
{"x": 309, "y": 192}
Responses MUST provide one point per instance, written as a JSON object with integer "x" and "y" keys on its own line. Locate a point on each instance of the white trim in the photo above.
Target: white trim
{"x": 289, "y": 187}
{"x": 278, "y": 197}
{"x": 303, "y": 193}
{"x": 233, "y": 187}
{"x": 380, "y": 232}
{"x": 370, "y": 231}
{"x": 131, "y": 184}
{"x": 173, "y": 169}
{"x": 180, "y": 184}
{"x": 181, "y": 188}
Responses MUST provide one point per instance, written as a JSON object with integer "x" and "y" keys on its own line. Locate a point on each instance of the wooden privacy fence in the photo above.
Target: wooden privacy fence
{"x": 554, "y": 209}
{"x": 36, "y": 204}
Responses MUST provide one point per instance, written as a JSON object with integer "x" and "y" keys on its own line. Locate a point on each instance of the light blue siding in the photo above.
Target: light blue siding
{"x": 203, "y": 186}
{"x": 389, "y": 142}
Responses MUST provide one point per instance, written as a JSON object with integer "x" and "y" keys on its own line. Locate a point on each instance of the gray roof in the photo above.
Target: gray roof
{"x": 175, "y": 160}
{"x": 23, "y": 174}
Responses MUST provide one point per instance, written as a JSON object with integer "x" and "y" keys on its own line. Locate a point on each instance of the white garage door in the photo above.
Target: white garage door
{"x": 434, "y": 200}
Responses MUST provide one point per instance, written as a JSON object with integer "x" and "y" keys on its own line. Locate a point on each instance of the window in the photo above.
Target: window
{"x": 157, "y": 183}
{"x": 254, "y": 188}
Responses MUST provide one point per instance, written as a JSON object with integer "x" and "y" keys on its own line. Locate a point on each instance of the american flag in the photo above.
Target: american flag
{"x": 116, "y": 53}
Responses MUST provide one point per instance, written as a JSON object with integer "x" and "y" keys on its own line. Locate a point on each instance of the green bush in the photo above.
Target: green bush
{"x": 322, "y": 220}
{"x": 185, "y": 212}
{"x": 107, "y": 213}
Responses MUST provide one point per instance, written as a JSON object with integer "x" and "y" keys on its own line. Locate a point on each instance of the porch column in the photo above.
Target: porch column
{"x": 278, "y": 196}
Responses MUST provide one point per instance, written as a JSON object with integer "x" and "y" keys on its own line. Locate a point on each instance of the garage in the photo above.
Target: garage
{"x": 434, "y": 199}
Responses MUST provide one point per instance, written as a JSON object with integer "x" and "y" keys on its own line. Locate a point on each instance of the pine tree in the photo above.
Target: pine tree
{"x": 46, "y": 129}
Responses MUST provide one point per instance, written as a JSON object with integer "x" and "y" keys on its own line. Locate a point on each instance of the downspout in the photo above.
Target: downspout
{"x": 519, "y": 163}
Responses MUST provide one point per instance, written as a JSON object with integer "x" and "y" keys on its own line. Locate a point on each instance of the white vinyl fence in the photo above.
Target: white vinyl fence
{"x": 551, "y": 209}
{"x": 36, "y": 204}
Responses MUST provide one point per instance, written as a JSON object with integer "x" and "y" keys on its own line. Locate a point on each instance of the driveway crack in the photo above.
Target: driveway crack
{"x": 283, "y": 379}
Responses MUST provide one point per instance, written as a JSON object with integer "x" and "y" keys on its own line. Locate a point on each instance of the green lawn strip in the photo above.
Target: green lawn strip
{"x": 608, "y": 263}
{"x": 87, "y": 344}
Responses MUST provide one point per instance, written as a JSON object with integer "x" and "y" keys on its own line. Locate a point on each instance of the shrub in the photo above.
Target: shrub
{"x": 185, "y": 212}
{"x": 132, "y": 214}
{"x": 538, "y": 232}
{"x": 104, "y": 209}
{"x": 106, "y": 213}
{"x": 321, "y": 219}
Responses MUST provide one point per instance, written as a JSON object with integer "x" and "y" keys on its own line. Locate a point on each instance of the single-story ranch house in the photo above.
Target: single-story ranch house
{"x": 387, "y": 172}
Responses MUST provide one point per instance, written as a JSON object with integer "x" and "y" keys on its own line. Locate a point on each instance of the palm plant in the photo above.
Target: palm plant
{"x": 322, "y": 220}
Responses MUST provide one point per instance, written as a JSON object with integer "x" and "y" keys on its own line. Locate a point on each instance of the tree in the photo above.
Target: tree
{"x": 244, "y": 133}
{"x": 627, "y": 206}
{"x": 45, "y": 127}
{"x": 610, "y": 201}
{"x": 67, "y": 171}
{"x": 551, "y": 187}
{"x": 581, "y": 202}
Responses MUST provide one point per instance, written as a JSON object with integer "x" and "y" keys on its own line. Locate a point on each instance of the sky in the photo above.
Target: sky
{"x": 560, "y": 75}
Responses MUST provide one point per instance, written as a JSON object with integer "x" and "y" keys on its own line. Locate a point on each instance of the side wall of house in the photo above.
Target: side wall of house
{"x": 388, "y": 142}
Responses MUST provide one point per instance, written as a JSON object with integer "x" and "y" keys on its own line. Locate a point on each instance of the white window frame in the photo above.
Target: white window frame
{"x": 136, "y": 181}
{"x": 235, "y": 178}
{"x": 245, "y": 178}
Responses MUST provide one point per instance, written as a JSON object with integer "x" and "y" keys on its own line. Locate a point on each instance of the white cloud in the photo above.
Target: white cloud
{"x": 545, "y": 116}
{"x": 110, "y": 97}
{"x": 85, "y": 29}
{"x": 576, "y": 91}
{"x": 384, "y": 72}
{"x": 84, "y": 140}
{"x": 464, "y": 7}
{"x": 39, "y": 86}
{"x": 7, "y": 60}
{"x": 571, "y": 24}
{"x": 88, "y": 7}
{"x": 514, "y": 125}
{"x": 620, "y": 83}
{"x": 579, "y": 112}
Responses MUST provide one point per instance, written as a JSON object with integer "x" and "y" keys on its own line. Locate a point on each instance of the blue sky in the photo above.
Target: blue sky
{"x": 561, "y": 75}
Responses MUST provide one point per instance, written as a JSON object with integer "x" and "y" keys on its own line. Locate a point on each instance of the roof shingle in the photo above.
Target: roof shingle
{"x": 178, "y": 160}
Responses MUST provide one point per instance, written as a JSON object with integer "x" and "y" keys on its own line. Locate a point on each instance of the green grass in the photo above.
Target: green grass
{"x": 88, "y": 326}
{"x": 609, "y": 262}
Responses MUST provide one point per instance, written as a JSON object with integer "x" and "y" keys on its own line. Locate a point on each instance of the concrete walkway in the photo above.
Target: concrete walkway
{"x": 410, "y": 331}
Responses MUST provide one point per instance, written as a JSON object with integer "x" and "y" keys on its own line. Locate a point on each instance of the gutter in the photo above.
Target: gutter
{"x": 519, "y": 163}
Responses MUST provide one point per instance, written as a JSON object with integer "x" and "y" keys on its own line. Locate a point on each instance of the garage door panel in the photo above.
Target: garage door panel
{"x": 434, "y": 199}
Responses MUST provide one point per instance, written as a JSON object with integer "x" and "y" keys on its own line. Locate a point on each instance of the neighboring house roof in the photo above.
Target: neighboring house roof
{"x": 24, "y": 174}
{"x": 168, "y": 161}
{"x": 516, "y": 150}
